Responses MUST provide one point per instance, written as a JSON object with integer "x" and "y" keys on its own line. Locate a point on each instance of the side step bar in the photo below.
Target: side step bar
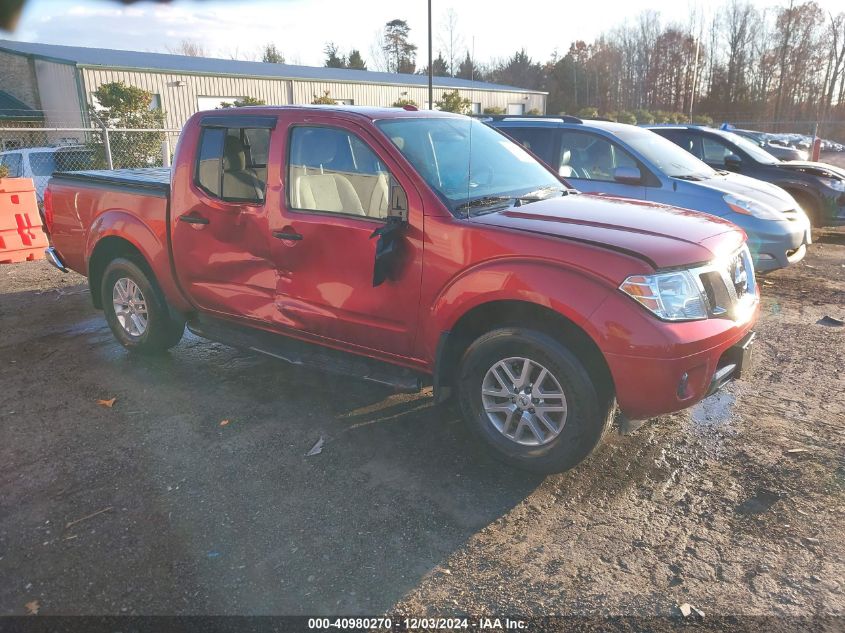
{"x": 53, "y": 257}
{"x": 298, "y": 352}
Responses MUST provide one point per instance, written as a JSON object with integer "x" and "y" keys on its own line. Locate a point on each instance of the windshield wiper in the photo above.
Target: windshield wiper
{"x": 485, "y": 201}
{"x": 533, "y": 196}
{"x": 491, "y": 202}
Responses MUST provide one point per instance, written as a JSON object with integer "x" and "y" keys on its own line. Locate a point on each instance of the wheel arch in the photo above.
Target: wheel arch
{"x": 801, "y": 193}
{"x": 106, "y": 250}
{"x": 501, "y": 313}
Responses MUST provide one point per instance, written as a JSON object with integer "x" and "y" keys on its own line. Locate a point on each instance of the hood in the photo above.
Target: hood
{"x": 822, "y": 170}
{"x": 662, "y": 235}
{"x": 757, "y": 190}
{"x": 785, "y": 153}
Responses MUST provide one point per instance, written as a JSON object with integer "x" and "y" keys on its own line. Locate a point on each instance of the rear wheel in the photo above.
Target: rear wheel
{"x": 532, "y": 400}
{"x": 135, "y": 309}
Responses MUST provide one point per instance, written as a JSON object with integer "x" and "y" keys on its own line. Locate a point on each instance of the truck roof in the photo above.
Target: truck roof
{"x": 369, "y": 112}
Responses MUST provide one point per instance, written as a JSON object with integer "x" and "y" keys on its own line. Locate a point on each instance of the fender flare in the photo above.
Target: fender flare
{"x": 127, "y": 226}
{"x": 571, "y": 294}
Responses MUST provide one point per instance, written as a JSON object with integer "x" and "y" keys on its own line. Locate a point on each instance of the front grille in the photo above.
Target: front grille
{"x": 729, "y": 285}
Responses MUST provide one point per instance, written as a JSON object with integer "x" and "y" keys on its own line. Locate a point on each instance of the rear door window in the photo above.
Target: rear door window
{"x": 232, "y": 163}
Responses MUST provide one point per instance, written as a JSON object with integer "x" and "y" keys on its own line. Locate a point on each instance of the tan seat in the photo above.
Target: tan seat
{"x": 326, "y": 192}
{"x": 239, "y": 182}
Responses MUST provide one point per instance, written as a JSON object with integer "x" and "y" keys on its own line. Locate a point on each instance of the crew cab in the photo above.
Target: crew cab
{"x": 411, "y": 247}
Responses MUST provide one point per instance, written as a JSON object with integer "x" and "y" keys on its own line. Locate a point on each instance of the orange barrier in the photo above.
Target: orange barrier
{"x": 21, "y": 236}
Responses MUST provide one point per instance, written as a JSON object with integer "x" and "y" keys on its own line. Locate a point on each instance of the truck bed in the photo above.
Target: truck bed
{"x": 148, "y": 180}
{"x": 129, "y": 203}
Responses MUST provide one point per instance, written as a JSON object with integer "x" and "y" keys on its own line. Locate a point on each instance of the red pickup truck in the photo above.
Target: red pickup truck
{"x": 405, "y": 247}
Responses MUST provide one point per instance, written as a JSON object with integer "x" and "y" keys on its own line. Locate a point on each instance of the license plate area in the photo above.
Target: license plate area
{"x": 740, "y": 355}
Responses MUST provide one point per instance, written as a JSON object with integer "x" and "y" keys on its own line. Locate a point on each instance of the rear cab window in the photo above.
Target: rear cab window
{"x": 232, "y": 163}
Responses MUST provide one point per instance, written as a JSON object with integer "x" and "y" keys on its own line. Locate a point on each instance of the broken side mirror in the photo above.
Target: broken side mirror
{"x": 387, "y": 247}
{"x": 398, "y": 204}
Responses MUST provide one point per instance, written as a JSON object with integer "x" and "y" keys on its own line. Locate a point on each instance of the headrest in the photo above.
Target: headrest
{"x": 234, "y": 154}
{"x": 316, "y": 148}
{"x": 565, "y": 157}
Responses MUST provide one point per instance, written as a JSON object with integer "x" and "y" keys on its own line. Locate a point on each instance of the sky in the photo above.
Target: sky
{"x": 300, "y": 29}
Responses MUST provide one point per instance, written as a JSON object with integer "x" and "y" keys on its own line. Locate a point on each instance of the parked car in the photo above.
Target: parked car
{"x": 39, "y": 163}
{"x": 818, "y": 187}
{"x": 402, "y": 246}
{"x": 625, "y": 160}
{"x": 779, "y": 150}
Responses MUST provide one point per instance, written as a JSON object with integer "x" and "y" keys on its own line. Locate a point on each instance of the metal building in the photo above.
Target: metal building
{"x": 59, "y": 81}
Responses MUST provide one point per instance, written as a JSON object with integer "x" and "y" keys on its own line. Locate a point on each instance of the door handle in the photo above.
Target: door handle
{"x": 193, "y": 219}
{"x": 282, "y": 235}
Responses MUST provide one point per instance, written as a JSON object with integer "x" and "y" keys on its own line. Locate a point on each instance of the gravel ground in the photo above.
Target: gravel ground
{"x": 156, "y": 506}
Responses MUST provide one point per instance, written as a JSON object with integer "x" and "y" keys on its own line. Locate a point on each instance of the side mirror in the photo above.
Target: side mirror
{"x": 733, "y": 162}
{"x": 388, "y": 246}
{"x": 397, "y": 209}
{"x": 628, "y": 175}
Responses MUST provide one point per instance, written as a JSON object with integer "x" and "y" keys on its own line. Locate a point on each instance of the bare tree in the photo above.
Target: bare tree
{"x": 189, "y": 48}
{"x": 451, "y": 41}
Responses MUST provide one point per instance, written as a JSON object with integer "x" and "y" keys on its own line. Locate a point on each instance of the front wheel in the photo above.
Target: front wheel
{"x": 135, "y": 309}
{"x": 532, "y": 400}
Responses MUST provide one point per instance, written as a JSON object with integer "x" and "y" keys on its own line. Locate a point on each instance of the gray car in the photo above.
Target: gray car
{"x": 628, "y": 161}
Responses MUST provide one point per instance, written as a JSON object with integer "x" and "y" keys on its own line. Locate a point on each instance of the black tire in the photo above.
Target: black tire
{"x": 163, "y": 329}
{"x": 589, "y": 415}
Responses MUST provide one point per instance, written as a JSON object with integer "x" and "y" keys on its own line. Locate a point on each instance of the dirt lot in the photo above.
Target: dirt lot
{"x": 153, "y": 506}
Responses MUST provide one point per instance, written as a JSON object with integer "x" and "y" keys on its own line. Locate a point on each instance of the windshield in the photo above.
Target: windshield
{"x": 465, "y": 161}
{"x": 665, "y": 155}
{"x": 751, "y": 148}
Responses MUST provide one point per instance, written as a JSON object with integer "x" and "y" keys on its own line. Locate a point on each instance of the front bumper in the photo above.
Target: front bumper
{"x": 733, "y": 362}
{"x": 664, "y": 386}
{"x": 779, "y": 249}
{"x": 660, "y": 367}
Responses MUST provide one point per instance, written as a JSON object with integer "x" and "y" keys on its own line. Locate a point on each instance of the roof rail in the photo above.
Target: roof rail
{"x": 566, "y": 118}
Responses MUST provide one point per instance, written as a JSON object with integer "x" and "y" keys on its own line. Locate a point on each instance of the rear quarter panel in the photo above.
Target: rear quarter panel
{"x": 86, "y": 214}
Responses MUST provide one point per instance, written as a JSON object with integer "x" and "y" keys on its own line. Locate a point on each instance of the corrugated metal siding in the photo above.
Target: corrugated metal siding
{"x": 386, "y": 95}
{"x": 59, "y": 94}
{"x": 180, "y": 102}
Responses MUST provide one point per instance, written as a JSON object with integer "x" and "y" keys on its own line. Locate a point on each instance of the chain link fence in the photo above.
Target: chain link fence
{"x": 36, "y": 152}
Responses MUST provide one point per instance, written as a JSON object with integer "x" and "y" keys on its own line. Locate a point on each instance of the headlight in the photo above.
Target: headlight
{"x": 835, "y": 184}
{"x": 747, "y": 206}
{"x": 673, "y": 296}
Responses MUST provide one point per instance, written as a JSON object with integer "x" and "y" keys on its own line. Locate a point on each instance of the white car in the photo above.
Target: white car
{"x": 39, "y": 163}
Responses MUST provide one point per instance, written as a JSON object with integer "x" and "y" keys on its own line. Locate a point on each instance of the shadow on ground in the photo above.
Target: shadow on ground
{"x": 198, "y": 516}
